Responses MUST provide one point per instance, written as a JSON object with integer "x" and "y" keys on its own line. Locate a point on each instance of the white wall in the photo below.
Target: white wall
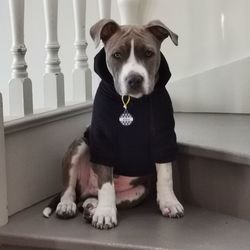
{"x": 212, "y": 33}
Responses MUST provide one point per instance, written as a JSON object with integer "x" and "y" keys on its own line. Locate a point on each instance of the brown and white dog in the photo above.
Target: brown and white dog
{"x": 100, "y": 191}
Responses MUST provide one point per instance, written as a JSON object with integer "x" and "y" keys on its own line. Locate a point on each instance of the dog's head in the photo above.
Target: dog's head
{"x": 132, "y": 53}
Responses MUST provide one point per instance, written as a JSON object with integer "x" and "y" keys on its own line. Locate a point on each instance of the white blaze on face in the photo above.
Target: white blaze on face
{"x": 132, "y": 65}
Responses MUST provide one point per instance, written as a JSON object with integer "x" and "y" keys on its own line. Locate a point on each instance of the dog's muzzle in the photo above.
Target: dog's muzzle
{"x": 134, "y": 82}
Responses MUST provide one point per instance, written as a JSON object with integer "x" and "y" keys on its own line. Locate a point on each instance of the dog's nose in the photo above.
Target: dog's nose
{"x": 134, "y": 81}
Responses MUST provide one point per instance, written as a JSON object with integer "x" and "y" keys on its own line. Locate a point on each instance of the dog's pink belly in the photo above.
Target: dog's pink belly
{"x": 87, "y": 180}
{"x": 123, "y": 183}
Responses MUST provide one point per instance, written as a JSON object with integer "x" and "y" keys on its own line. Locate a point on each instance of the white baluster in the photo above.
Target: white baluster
{"x": 131, "y": 11}
{"x": 104, "y": 8}
{"x": 53, "y": 77}
{"x": 82, "y": 80}
{"x": 20, "y": 86}
{"x": 3, "y": 182}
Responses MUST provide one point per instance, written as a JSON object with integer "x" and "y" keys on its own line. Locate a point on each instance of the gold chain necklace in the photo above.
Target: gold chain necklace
{"x": 126, "y": 118}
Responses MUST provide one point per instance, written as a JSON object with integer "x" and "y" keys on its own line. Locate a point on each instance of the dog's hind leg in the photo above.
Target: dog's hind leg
{"x": 89, "y": 207}
{"x": 67, "y": 207}
{"x": 126, "y": 199}
{"x": 131, "y": 198}
{"x": 131, "y": 191}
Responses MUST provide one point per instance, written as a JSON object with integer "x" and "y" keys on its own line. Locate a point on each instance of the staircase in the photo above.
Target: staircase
{"x": 212, "y": 178}
{"x": 212, "y": 173}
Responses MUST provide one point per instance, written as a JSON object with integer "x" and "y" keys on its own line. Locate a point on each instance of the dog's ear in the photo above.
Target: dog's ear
{"x": 161, "y": 31}
{"x": 103, "y": 30}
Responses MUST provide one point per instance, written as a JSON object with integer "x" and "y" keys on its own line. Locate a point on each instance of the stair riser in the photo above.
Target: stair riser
{"x": 216, "y": 185}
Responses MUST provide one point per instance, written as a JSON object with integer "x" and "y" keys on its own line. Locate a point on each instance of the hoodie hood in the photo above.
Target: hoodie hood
{"x": 102, "y": 71}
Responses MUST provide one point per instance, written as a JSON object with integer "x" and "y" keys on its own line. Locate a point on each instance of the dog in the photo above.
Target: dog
{"x": 131, "y": 133}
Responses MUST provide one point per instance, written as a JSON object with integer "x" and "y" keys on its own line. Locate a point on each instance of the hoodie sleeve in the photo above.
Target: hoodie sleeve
{"x": 164, "y": 145}
{"x": 102, "y": 131}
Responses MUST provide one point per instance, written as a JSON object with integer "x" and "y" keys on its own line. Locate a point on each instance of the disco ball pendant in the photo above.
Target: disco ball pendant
{"x": 126, "y": 118}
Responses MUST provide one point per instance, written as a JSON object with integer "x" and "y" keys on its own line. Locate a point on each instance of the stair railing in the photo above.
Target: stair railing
{"x": 20, "y": 85}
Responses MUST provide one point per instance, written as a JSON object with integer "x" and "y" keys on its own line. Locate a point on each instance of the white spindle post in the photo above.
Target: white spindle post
{"x": 130, "y": 11}
{"x": 20, "y": 86}
{"x": 82, "y": 81}
{"x": 104, "y": 8}
{"x": 53, "y": 77}
{"x": 3, "y": 182}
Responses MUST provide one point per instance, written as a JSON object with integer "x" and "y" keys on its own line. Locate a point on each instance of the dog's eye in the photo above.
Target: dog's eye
{"x": 149, "y": 53}
{"x": 117, "y": 55}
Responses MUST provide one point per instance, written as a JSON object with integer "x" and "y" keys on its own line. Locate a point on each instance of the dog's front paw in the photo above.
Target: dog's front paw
{"x": 171, "y": 207}
{"x": 105, "y": 217}
{"x": 66, "y": 209}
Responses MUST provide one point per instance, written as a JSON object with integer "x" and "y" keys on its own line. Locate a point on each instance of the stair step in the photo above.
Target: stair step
{"x": 139, "y": 228}
{"x": 214, "y": 162}
{"x": 218, "y": 136}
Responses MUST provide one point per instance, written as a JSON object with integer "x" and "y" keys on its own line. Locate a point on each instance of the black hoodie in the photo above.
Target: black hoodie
{"x": 131, "y": 150}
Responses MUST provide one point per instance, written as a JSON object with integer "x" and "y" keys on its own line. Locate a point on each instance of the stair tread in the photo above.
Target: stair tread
{"x": 219, "y": 136}
{"x": 139, "y": 228}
